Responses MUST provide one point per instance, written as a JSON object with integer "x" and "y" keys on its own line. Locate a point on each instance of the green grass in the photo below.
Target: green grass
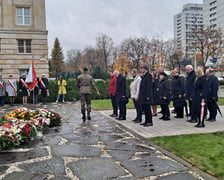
{"x": 105, "y": 104}
{"x": 205, "y": 151}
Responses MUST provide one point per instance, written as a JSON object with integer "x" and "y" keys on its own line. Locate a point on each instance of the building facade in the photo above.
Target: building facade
{"x": 23, "y": 37}
{"x": 214, "y": 13}
{"x": 184, "y": 22}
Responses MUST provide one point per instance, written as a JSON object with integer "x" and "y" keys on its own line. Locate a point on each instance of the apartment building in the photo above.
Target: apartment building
{"x": 23, "y": 37}
{"x": 214, "y": 13}
{"x": 190, "y": 16}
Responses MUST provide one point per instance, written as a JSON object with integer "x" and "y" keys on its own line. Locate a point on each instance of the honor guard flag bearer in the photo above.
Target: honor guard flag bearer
{"x": 31, "y": 79}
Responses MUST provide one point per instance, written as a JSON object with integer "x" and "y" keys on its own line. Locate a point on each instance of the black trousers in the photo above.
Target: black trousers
{"x": 190, "y": 107}
{"x": 122, "y": 108}
{"x": 114, "y": 103}
{"x": 180, "y": 111}
{"x": 212, "y": 108}
{"x": 148, "y": 113}
{"x": 165, "y": 110}
{"x": 138, "y": 109}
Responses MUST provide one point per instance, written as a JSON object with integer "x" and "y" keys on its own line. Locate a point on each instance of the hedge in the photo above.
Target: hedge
{"x": 72, "y": 92}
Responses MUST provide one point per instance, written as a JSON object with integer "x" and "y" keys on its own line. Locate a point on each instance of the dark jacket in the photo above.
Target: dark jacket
{"x": 200, "y": 88}
{"x": 190, "y": 84}
{"x": 155, "y": 83}
{"x": 177, "y": 90}
{"x": 164, "y": 91}
{"x": 213, "y": 86}
{"x": 44, "y": 90}
{"x": 121, "y": 86}
{"x": 146, "y": 89}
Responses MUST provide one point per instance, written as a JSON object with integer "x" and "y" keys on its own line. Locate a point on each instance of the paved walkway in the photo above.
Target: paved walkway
{"x": 100, "y": 149}
{"x": 168, "y": 128}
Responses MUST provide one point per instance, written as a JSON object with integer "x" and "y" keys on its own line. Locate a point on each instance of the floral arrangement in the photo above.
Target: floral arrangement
{"x": 22, "y": 124}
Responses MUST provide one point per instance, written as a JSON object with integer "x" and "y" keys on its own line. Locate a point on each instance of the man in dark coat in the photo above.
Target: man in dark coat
{"x": 212, "y": 95}
{"x": 121, "y": 96}
{"x": 190, "y": 89}
{"x": 178, "y": 94}
{"x": 145, "y": 94}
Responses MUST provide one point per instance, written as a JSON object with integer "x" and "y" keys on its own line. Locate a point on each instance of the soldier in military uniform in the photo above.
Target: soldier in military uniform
{"x": 84, "y": 82}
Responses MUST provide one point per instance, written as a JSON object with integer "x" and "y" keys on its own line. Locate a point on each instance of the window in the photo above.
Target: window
{"x": 23, "y": 16}
{"x": 24, "y": 45}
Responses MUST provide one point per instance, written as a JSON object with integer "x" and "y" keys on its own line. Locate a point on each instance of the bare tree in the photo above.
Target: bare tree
{"x": 105, "y": 45}
{"x": 208, "y": 41}
{"x": 73, "y": 59}
{"x": 136, "y": 49}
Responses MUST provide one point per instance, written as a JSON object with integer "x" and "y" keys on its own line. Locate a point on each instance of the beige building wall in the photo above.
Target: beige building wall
{"x": 11, "y": 60}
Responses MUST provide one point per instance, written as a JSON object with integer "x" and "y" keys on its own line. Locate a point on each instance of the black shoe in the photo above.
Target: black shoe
{"x": 199, "y": 125}
{"x": 166, "y": 118}
{"x": 138, "y": 121}
{"x": 121, "y": 119}
{"x": 212, "y": 120}
{"x": 143, "y": 123}
{"x": 83, "y": 117}
{"x": 113, "y": 115}
{"x": 154, "y": 114}
{"x": 161, "y": 117}
{"x": 118, "y": 118}
{"x": 192, "y": 121}
{"x": 147, "y": 124}
{"x": 89, "y": 117}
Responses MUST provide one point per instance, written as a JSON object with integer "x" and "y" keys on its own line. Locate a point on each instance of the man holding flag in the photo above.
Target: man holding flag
{"x": 32, "y": 82}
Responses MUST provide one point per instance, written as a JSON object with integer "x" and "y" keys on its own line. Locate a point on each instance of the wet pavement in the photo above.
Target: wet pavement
{"x": 99, "y": 149}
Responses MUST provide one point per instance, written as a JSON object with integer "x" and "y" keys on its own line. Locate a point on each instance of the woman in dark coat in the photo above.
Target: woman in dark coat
{"x": 154, "y": 104}
{"x": 178, "y": 94}
{"x": 200, "y": 97}
{"x": 23, "y": 88}
{"x": 163, "y": 91}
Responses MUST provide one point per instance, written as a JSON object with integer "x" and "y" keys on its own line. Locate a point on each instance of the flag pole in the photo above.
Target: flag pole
{"x": 33, "y": 88}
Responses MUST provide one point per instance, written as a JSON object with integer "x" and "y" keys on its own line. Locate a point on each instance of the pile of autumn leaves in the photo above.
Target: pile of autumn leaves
{"x": 23, "y": 124}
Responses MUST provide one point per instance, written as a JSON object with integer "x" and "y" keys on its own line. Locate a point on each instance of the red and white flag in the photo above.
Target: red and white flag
{"x": 31, "y": 79}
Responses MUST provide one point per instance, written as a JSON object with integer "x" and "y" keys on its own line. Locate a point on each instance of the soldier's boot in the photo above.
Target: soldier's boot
{"x": 88, "y": 116}
{"x": 83, "y": 117}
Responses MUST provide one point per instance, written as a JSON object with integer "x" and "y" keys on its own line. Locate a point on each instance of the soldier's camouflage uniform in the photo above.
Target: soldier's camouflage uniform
{"x": 84, "y": 82}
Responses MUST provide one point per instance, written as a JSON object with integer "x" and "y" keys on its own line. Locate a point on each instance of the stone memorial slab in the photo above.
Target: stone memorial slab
{"x": 110, "y": 138}
{"x": 121, "y": 155}
{"x": 92, "y": 140}
{"x": 51, "y": 166}
{"x": 120, "y": 146}
{"x": 96, "y": 169}
{"x": 12, "y": 157}
{"x": 182, "y": 176}
{"x": 51, "y": 140}
{"x": 24, "y": 175}
{"x": 75, "y": 151}
{"x": 60, "y": 178}
{"x": 151, "y": 166}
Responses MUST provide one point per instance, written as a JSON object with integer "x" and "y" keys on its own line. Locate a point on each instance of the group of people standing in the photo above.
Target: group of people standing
{"x": 10, "y": 88}
{"x": 148, "y": 90}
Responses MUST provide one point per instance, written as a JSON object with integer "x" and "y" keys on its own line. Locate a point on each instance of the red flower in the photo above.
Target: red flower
{"x": 58, "y": 117}
{"x": 52, "y": 118}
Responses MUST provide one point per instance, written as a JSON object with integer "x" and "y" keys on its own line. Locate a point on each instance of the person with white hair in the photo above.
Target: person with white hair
{"x": 190, "y": 90}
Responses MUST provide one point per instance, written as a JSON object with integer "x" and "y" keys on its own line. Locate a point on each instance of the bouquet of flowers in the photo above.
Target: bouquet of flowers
{"x": 22, "y": 124}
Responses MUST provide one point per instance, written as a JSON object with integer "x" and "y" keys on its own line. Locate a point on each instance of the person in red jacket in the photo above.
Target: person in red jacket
{"x": 112, "y": 92}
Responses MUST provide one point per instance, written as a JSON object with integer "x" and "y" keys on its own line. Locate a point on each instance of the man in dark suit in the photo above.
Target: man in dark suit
{"x": 212, "y": 94}
{"x": 145, "y": 94}
{"x": 121, "y": 96}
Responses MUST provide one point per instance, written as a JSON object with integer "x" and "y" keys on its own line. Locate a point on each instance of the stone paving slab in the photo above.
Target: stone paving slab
{"x": 96, "y": 169}
{"x": 151, "y": 166}
{"x": 179, "y": 176}
{"x": 24, "y": 175}
{"x": 51, "y": 166}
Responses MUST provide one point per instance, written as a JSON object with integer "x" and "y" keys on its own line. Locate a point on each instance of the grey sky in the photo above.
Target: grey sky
{"x": 77, "y": 22}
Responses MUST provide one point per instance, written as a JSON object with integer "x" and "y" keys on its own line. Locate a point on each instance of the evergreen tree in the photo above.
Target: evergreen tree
{"x": 57, "y": 59}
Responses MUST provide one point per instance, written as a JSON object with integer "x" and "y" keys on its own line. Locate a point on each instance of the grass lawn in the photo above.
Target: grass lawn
{"x": 105, "y": 104}
{"x": 205, "y": 151}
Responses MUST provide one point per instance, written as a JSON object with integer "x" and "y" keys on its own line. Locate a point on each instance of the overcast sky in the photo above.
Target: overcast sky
{"x": 77, "y": 22}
